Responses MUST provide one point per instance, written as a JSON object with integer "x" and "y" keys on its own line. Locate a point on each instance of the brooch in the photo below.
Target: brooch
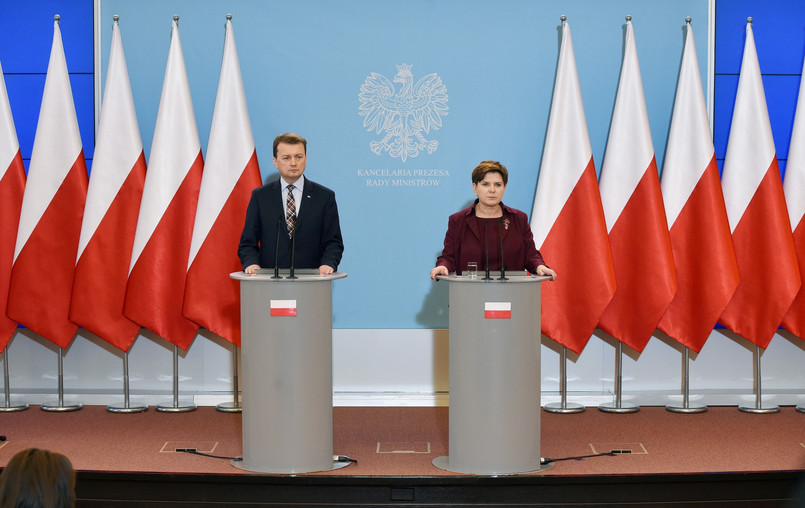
{"x": 506, "y": 223}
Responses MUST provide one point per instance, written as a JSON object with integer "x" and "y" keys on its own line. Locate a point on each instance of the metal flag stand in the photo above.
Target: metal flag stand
{"x": 8, "y": 407}
{"x": 758, "y": 408}
{"x": 563, "y": 407}
{"x": 175, "y": 407}
{"x": 234, "y": 406}
{"x": 686, "y": 406}
{"x": 619, "y": 406}
{"x": 61, "y": 407}
{"x": 126, "y": 407}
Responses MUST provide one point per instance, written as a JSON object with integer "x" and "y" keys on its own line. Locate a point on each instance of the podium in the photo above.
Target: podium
{"x": 494, "y": 413}
{"x": 287, "y": 371}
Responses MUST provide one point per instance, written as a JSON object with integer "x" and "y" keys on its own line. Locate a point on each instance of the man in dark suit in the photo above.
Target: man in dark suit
{"x": 291, "y": 206}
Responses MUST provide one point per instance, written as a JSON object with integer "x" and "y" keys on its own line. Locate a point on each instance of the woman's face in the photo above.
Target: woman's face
{"x": 490, "y": 190}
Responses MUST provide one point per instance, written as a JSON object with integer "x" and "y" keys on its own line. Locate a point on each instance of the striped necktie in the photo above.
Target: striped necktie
{"x": 290, "y": 211}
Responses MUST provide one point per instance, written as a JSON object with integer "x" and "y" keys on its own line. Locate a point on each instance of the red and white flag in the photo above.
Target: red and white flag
{"x": 282, "y": 308}
{"x": 633, "y": 207}
{"x": 110, "y": 215}
{"x": 155, "y": 290}
{"x": 12, "y": 186}
{"x": 497, "y": 310}
{"x": 706, "y": 269}
{"x": 568, "y": 218}
{"x": 52, "y": 209}
{"x": 212, "y": 298}
{"x": 761, "y": 231}
{"x": 794, "y": 188}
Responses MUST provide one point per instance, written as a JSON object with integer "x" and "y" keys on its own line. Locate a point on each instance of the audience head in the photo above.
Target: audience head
{"x": 36, "y": 478}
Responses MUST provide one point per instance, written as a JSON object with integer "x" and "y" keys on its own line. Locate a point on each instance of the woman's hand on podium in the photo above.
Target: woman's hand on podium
{"x": 438, "y": 270}
{"x": 544, "y": 271}
{"x": 251, "y": 269}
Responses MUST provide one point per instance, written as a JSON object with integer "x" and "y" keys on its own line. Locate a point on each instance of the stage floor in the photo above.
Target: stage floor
{"x": 400, "y": 444}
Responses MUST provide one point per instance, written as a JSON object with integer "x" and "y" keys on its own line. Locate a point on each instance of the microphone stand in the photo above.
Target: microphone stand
{"x": 293, "y": 248}
{"x": 502, "y": 265}
{"x": 277, "y": 250}
{"x": 486, "y": 249}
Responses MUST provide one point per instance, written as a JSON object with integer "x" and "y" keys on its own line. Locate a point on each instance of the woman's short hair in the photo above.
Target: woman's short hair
{"x": 289, "y": 138}
{"x": 485, "y": 167}
{"x": 38, "y": 478}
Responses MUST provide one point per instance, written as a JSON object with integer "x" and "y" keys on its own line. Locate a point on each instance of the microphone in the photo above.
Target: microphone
{"x": 293, "y": 248}
{"x": 502, "y": 265}
{"x": 277, "y": 250}
{"x": 486, "y": 251}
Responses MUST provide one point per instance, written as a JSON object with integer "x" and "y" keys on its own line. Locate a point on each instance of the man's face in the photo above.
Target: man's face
{"x": 290, "y": 161}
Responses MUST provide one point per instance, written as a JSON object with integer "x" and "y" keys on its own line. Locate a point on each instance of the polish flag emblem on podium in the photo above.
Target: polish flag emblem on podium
{"x": 497, "y": 310}
{"x": 283, "y": 308}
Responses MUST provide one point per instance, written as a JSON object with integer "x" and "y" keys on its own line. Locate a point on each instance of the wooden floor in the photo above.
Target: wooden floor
{"x": 722, "y": 457}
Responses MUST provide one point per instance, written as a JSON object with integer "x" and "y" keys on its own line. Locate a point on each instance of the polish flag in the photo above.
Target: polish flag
{"x": 706, "y": 269}
{"x": 794, "y": 188}
{"x": 110, "y": 215}
{"x": 212, "y": 298}
{"x": 52, "y": 209}
{"x": 12, "y": 186}
{"x": 761, "y": 231}
{"x": 282, "y": 308}
{"x": 568, "y": 219}
{"x": 497, "y": 310}
{"x": 155, "y": 290}
{"x": 633, "y": 207}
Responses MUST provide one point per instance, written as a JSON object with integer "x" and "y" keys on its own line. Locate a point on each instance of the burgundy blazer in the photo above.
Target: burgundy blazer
{"x": 464, "y": 242}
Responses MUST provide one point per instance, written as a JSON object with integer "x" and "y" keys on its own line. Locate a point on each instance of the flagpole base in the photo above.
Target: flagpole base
{"x": 760, "y": 410}
{"x": 176, "y": 407}
{"x": 619, "y": 408}
{"x": 61, "y": 407}
{"x": 689, "y": 409}
{"x": 229, "y": 407}
{"x": 13, "y": 408}
{"x": 126, "y": 409}
{"x": 563, "y": 408}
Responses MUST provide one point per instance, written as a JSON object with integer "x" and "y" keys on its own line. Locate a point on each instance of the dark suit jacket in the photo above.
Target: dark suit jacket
{"x": 464, "y": 242}
{"x": 318, "y": 231}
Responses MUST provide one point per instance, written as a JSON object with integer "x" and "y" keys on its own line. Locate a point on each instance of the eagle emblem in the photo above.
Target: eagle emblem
{"x": 403, "y": 116}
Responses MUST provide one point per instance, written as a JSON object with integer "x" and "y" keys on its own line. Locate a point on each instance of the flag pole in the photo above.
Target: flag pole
{"x": 563, "y": 407}
{"x": 175, "y": 407}
{"x": 234, "y": 406}
{"x": 686, "y": 406}
{"x": 619, "y": 406}
{"x": 8, "y": 407}
{"x": 126, "y": 407}
{"x": 61, "y": 407}
{"x": 758, "y": 408}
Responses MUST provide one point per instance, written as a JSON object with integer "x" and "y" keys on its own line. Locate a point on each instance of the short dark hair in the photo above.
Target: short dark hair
{"x": 485, "y": 167}
{"x": 291, "y": 139}
{"x": 35, "y": 477}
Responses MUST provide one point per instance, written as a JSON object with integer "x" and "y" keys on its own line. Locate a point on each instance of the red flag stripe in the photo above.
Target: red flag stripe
{"x": 41, "y": 282}
{"x": 575, "y": 301}
{"x": 12, "y": 186}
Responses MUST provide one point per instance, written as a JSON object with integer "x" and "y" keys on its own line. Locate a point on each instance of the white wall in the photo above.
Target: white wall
{"x": 407, "y": 367}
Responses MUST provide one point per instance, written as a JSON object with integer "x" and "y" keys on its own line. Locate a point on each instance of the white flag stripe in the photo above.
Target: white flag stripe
{"x": 9, "y": 145}
{"x": 283, "y": 304}
{"x": 114, "y": 157}
{"x": 631, "y": 158}
{"x": 744, "y": 169}
{"x": 55, "y": 148}
{"x": 230, "y": 147}
{"x": 683, "y": 167}
{"x": 570, "y": 152}
{"x": 163, "y": 180}
{"x": 794, "y": 183}
{"x": 497, "y": 305}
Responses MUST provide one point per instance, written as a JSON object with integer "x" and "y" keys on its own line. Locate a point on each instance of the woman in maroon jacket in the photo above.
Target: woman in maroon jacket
{"x": 490, "y": 223}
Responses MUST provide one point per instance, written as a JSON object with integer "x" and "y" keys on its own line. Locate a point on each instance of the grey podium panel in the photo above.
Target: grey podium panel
{"x": 287, "y": 372}
{"x": 494, "y": 414}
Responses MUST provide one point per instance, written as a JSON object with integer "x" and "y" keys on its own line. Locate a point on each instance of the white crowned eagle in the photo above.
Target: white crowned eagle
{"x": 403, "y": 116}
